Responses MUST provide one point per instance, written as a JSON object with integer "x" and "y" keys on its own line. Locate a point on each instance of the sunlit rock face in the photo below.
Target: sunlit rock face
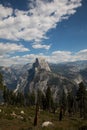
{"x": 39, "y": 75}
{"x": 40, "y": 63}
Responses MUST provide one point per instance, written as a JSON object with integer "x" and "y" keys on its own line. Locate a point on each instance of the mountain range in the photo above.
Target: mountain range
{"x": 40, "y": 75}
{"x": 74, "y": 71}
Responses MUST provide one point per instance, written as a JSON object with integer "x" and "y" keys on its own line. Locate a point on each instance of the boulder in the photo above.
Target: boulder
{"x": 22, "y": 112}
{"x": 47, "y": 123}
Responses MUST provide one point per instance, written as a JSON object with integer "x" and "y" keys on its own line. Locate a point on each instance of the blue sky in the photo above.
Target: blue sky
{"x": 53, "y": 29}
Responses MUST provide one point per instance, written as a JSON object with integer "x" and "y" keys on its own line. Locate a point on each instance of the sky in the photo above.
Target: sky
{"x": 52, "y": 29}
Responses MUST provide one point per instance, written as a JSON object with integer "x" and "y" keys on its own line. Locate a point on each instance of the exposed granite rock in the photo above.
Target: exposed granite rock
{"x": 40, "y": 63}
{"x": 40, "y": 77}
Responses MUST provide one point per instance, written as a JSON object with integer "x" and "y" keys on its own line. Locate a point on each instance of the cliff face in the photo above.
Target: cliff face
{"x": 74, "y": 71}
{"x": 41, "y": 64}
{"x": 40, "y": 77}
{"x": 25, "y": 79}
{"x": 26, "y": 83}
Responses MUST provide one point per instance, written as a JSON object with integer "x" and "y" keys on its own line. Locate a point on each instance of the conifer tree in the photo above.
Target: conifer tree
{"x": 82, "y": 99}
{"x": 1, "y": 82}
{"x": 63, "y": 102}
{"x": 49, "y": 99}
{"x": 70, "y": 101}
{"x": 32, "y": 98}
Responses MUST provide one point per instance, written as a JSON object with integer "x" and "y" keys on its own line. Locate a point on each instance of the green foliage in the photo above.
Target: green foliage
{"x": 63, "y": 101}
{"x": 49, "y": 98}
{"x": 82, "y": 100}
{"x": 40, "y": 97}
{"x": 7, "y": 122}
{"x": 44, "y": 104}
{"x": 1, "y": 82}
{"x": 30, "y": 98}
{"x": 70, "y": 101}
{"x": 12, "y": 98}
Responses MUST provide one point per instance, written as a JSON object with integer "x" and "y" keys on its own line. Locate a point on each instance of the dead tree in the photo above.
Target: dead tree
{"x": 61, "y": 114}
{"x": 36, "y": 115}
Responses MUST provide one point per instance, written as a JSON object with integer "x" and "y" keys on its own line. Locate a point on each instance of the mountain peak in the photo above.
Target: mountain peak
{"x": 40, "y": 63}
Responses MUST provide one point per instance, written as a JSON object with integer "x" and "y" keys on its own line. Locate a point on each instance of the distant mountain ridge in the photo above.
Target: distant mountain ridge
{"x": 12, "y": 74}
{"x": 72, "y": 70}
{"x": 40, "y": 75}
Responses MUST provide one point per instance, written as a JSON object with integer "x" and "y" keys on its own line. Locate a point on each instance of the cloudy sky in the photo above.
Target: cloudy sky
{"x": 53, "y": 29}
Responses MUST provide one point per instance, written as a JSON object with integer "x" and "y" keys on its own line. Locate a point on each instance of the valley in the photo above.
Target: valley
{"x": 35, "y": 93}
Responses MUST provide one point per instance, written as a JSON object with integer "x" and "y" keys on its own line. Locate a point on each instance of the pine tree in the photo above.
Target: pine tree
{"x": 44, "y": 104}
{"x": 82, "y": 99}
{"x": 70, "y": 102}
{"x": 6, "y": 95}
{"x": 32, "y": 98}
{"x": 1, "y": 82}
{"x": 63, "y": 102}
{"x": 49, "y": 98}
{"x": 41, "y": 98}
{"x": 20, "y": 99}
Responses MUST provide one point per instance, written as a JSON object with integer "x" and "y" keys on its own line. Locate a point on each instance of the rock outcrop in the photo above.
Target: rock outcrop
{"x": 41, "y": 64}
{"x": 40, "y": 77}
{"x": 29, "y": 77}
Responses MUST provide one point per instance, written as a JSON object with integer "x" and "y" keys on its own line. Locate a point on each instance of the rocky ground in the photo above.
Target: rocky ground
{"x": 16, "y": 118}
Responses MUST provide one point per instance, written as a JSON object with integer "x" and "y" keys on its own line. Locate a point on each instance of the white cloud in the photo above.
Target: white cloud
{"x": 5, "y": 12}
{"x": 39, "y": 46}
{"x": 82, "y": 51}
{"x": 7, "y": 48}
{"x": 82, "y": 55}
{"x": 55, "y": 57}
{"x": 67, "y": 56}
{"x": 32, "y": 25}
{"x": 60, "y": 56}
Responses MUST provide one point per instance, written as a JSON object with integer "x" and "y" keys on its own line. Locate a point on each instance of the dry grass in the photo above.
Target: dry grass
{"x": 7, "y": 122}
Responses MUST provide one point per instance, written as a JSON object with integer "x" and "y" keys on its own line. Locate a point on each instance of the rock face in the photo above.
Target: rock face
{"x": 74, "y": 71}
{"x": 13, "y": 74}
{"x": 40, "y": 77}
{"x": 29, "y": 77}
{"x": 28, "y": 82}
{"x": 41, "y": 64}
{"x": 25, "y": 79}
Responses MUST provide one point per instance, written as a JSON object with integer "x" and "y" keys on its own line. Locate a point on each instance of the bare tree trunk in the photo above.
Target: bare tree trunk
{"x": 36, "y": 115}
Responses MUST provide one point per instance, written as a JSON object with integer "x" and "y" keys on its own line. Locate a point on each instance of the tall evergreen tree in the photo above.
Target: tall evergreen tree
{"x": 44, "y": 104}
{"x": 49, "y": 98}
{"x": 20, "y": 99}
{"x": 1, "y": 82}
{"x": 39, "y": 97}
{"x": 82, "y": 99}
{"x": 70, "y": 102}
{"x": 32, "y": 98}
{"x": 63, "y": 102}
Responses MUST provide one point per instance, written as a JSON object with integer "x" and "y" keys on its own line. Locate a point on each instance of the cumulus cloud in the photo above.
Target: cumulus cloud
{"x": 7, "y": 60}
{"x": 67, "y": 56}
{"x": 55, "y": 57}
{"x": 60, "y": 56}
{"x": 39, "y": 46}
{"x": 7, "y": 48}
{"x": 33, "y": 24}
{"x": 5, "y": 12}
{"x": 82, "y": 55}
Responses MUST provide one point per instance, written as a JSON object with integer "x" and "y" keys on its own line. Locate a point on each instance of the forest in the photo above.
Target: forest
{"x": 69, "y": 107}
